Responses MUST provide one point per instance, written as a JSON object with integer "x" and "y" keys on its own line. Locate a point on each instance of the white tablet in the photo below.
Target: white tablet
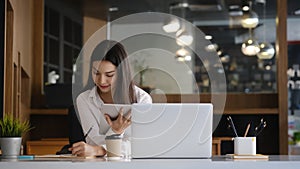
{"x": 113, "y": 109}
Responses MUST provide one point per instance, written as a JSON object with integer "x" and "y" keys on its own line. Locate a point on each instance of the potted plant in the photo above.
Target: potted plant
{"x": 11, "y": 132}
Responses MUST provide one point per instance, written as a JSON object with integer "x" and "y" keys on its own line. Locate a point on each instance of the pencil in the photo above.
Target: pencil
{"x": 246, "y": 132}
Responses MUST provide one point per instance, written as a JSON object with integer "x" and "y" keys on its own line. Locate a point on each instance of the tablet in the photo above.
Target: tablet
{"x": 113, "y": 109}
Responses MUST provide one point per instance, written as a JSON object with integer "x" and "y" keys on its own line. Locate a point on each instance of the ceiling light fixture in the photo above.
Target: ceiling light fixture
{"x": 113, "y": 9}
{"x": 172, "y": 25}
{"x": 249, "y": 18}
{"x": 184, "y": 4}
{"x": 188, "y": 58}
{"x": 184, "y": 38}
{"x": 245, "y": 8}
{"x": 183, "y": 55}
{"x": 267, "y": 50}
{"x": 250, "y": 47}
{"x": 211, "y": 47}
{"x": 219, "y": 52}
{"x": 181, "y": 52}
{"x": 225, "y": 58}
{"x": 208, "y": 37}
{"x": 235, "y": 10}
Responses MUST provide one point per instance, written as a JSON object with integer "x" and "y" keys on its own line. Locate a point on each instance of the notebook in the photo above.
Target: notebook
{"x": 171, "y": 130}
{"x": 248, "y": 157}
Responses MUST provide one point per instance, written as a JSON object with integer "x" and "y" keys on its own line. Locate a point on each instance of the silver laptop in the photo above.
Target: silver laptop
{"x": 171, "y": 130}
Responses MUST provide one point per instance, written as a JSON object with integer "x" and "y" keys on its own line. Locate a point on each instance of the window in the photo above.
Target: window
{"x": 62, "y": 42}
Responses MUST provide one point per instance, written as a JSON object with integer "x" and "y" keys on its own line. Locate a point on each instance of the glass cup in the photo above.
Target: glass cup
{"x": 126, "y": 148}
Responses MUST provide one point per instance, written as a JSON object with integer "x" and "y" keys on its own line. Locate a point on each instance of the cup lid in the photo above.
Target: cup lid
{"x": 114, "y": 136}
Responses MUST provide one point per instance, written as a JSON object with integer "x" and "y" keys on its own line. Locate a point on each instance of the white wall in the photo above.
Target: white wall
{"x": 154, "y": 49}
{"x": 293, "y": 29}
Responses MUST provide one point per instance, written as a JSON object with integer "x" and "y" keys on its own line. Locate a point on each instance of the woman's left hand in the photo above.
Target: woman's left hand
{"x": 121, "y": 123}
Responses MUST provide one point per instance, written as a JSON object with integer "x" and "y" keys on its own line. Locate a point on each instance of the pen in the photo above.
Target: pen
{"x": 88, "y": 132}
{"x": 246, "y": 132}
{"x": 261, "y": 128}
{"x": 232, "y": 125}
{"x": 260, "y": 124}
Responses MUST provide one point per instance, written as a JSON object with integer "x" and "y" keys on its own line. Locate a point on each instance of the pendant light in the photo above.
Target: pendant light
{"x": 249, "y": 18}
{"x": 224, "y": 57}
{"x": 250, "y": 47}
{"x": 184, "y": 38}
{"x": 171, "y": 25}
{"x": 183, "y": 55}
{"x": 267, "y": 50}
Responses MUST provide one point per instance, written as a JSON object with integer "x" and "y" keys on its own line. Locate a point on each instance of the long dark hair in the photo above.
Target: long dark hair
{"x": 115, "y": 53}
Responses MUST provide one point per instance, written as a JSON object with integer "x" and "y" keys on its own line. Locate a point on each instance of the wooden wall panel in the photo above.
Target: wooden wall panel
{"x": 233, "y": 101}
{"x": 282, "y": 63}
{"x": 2, "y": 53}
{"x": 18, "y": 58}
{"x": 37, "y": 99}
{"x": 8, "y": 60}
{"x": 18, "y": 55}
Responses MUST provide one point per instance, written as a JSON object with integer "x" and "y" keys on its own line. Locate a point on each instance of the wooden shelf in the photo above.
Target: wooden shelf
{"x": 216, "y": 144}
{"x": 252, "y": 111}
{"x": 226, "y": 111}
{"x": 47, "y": 146}
{"x": 49, "y": 111}
{"x": 233, "y": 100}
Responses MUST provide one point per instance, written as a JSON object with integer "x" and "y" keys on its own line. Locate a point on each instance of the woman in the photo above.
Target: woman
{"x": 110, "y": 82}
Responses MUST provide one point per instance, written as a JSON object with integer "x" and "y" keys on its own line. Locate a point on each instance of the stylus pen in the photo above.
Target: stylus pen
{"x": 88, "y": 132}
{"x": 232, "y": 125}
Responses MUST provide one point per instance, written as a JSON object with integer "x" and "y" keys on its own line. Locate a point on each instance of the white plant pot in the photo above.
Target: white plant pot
{"x": 10, "y": 146}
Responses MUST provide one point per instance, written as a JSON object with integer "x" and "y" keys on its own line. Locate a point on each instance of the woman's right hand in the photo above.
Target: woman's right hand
{"x": 121, "y": 123}
{"x": 83, "y": 149}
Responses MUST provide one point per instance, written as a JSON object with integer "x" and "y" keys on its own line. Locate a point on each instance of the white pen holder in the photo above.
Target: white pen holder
{"x": 245, "y": 145}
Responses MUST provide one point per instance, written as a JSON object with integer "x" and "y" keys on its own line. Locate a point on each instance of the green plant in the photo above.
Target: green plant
{"x": 13, "y": 127}
{"x": 297, "y": 137}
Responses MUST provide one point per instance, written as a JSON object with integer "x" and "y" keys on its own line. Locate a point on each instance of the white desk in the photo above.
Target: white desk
{"x": 217, "y": 162}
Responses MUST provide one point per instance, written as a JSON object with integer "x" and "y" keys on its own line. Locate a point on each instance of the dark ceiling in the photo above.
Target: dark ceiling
{"x": 197, "y": 10}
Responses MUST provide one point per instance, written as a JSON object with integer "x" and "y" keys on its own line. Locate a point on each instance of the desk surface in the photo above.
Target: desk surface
{"x": 217, "y": 162}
